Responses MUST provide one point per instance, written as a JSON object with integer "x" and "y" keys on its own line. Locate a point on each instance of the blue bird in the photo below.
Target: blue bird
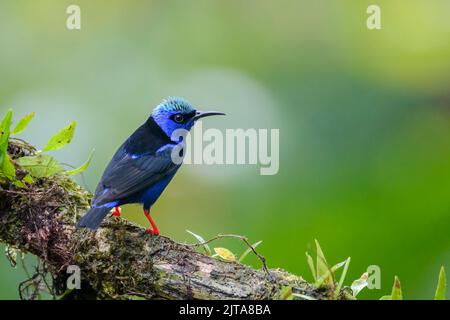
{"x": 142, "y": 167}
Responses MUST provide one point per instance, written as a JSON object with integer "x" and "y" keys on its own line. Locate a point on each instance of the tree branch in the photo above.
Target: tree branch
{"x": 120, "y": 260}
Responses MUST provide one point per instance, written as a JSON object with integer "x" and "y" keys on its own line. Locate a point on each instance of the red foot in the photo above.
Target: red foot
{"x": 116, "y": 212}
{"x": 150, "y": 231}
{"x": 155, "y": 230}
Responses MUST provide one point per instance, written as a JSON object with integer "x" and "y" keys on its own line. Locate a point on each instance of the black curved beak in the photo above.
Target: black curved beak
{"x": 202, "y": 114}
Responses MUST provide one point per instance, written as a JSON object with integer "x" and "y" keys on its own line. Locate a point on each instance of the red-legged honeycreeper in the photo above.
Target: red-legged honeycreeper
{"x": 142, "y": 167}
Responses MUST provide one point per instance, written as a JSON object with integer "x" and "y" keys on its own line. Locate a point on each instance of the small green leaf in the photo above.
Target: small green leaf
{"x": 285, "y": 293}
{"x": 83, "y": 166}
{"x": 6, "y": 122}
{"x": 22, "y": 183}
{"x": 19, "y": 184}
{"x": 327, "y": 277}
{"x": 23, "y": 123}
{"x": 311, "y": 265}
{"x": 61, "y": 138}
{"x": 249, "y": 250}
{"x": 225, "y": 254}
{"x": 442, "y": 284}
{"x": 201, "y": 240}
{"x": 396, "y": 290}
{"x": 360, "y": 284}
{"x": 396, "y": 293}
{"x": 4, "y": 135}
{"x": 321, "y": 264}
{"x": 7, "y": 168}
{"x": 28, "y": 179}
{"x": 40, "y": 166}
{"x": 343, "y": 275}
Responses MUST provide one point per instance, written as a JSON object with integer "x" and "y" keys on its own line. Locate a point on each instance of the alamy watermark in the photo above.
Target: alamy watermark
{"x": 74, "y": 280}
{"x": 232, "y": 147}
{"x": 374, "y": 277}
{"x": 374, "y": 19}
{"x": 73, "y": 21}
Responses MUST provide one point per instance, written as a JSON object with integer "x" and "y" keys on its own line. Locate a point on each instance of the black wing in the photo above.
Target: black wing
{"x": 127, "y": 175}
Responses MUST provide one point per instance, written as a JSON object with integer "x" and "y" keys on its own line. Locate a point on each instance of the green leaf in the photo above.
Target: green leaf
{"x": 396, "y": 290}
{"x": 40, "y": 166}
{"x": 442, "y": 284}
{"x": 322, "y": 269}
{"x": 19, "y": 184}
{"x": 225, "y": 254}
{"x": 7, "y": 168}
{"x": 23, "y": 123}
{"x": 6, "y": 122}
{"x": 311, "y": 265}
{"x": 83, "y": 166}
{"x": 249, "y": 250}
{"x": 386, "y": 298}
{"x": 360, "y": 284}
{"x": 22, "y": 183}
{"x": 285, "y": 293}
{"x": 327, "y": 277}
{"x": 28, "y": 179}
{"x": 4, "y": 135}
{"x": 201, "y": 240}
{"x": 343, "y": 275}
{"x": 61, "y": 138}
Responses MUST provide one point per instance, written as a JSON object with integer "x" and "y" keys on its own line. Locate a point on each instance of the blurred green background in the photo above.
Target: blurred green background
{"x": 364, "y": 119}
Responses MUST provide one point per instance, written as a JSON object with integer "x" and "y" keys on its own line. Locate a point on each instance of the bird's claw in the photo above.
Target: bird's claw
{"x": 153, "y": 232}
{"x": 116, "y": 212}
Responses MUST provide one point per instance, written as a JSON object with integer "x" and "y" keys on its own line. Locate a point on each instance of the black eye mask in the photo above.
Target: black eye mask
{"x": 186, "y": 117}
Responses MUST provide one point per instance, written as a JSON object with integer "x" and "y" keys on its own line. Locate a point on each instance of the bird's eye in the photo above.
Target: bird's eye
{"x": 178, "y": 118}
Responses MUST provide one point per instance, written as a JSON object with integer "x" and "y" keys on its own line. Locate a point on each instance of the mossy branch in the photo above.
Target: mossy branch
{"x": 120, "y": 260}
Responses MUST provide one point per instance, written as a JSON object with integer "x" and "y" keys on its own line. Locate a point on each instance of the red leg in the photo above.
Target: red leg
{"x": 116, "y": 212}
{"x": 155, "y": 230}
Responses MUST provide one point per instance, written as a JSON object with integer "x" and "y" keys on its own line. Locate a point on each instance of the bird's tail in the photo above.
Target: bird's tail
{"x": 93, "y": 218}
